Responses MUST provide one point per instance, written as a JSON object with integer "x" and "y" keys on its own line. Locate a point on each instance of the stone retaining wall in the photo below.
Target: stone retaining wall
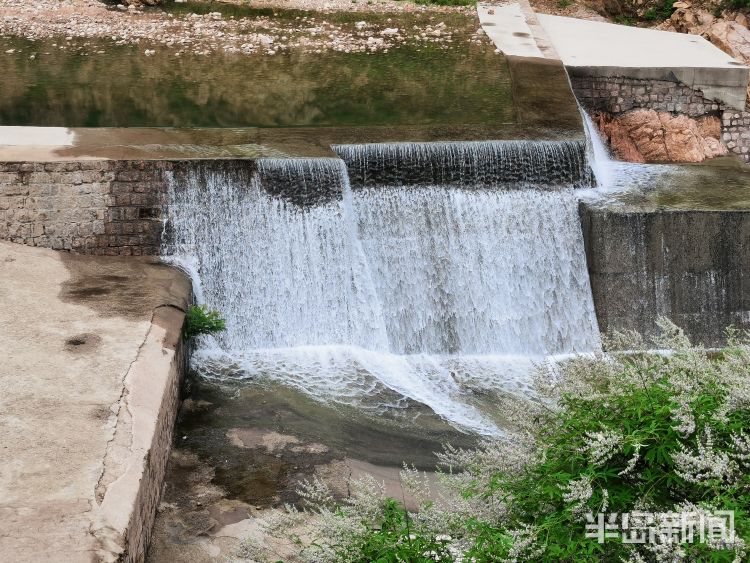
{"x": 615, "y": 94}
{"x": 735, "y": 132}
{"x": 138, "y": 534}
{"x": 103, "y": 207}
{"x": 619, "y": 94}
{"x": 90, "y": 207}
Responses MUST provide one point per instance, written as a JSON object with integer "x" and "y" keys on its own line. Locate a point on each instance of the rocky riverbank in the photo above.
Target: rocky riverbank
{"x": 237, "y": 30}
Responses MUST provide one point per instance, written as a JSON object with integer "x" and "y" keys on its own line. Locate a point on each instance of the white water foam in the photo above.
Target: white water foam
{"x": 478, "y": 272}
{"x": 431, "y": 293}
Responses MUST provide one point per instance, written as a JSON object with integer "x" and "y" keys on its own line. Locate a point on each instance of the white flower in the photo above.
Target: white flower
{"x": 579, "y": 492}
{"x": 705, "y": 463}
{"x": 601, "y": 446}
{"x": 630, "y": 467}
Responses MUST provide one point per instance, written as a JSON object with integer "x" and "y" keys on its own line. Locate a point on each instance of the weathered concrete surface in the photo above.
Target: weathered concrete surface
{"x": 690, "y": 266}
{"x": 605, "y": 49}
{"x": 90, "y": 372}
{"x": 508, "y": 29}
{"x": 516, "y": 30}
{"x": 542, "y": 94}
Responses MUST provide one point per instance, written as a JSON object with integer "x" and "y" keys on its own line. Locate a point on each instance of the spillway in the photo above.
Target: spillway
{"x": 411, "y": 286}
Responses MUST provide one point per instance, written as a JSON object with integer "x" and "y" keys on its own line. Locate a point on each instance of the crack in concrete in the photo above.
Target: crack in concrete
{"x": 100, "y": 490}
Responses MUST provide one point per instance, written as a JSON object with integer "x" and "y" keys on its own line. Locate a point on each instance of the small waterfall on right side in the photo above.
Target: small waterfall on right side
{"x": 598, "y": 154}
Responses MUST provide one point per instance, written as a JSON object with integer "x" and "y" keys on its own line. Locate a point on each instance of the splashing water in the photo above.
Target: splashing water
{"x": 353, "y": 296}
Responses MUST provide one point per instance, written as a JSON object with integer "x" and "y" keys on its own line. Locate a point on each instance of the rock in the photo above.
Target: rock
{"x": 645, "y": 135}
{"x": 731, "y": 36}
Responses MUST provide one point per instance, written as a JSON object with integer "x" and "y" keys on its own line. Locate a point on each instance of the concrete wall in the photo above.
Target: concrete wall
{"x": 613, "y": 94}
{"x": 164, "y": 414}
{"x": 691, "y": 266}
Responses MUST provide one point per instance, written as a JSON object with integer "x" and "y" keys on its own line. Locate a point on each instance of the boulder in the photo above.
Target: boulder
{"x": 644, "y": 135}
{"x": 730, "y": 34}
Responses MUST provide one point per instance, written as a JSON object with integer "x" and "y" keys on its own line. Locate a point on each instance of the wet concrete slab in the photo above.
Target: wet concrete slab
{"x": 539, "y": 86}
{"x": 86, "y": 347}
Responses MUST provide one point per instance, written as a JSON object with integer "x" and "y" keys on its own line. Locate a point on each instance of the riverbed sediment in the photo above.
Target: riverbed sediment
{"x": 228, "y": 28}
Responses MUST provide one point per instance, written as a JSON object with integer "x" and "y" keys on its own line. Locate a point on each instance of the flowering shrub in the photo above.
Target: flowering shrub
{"x": 618, "y": 433}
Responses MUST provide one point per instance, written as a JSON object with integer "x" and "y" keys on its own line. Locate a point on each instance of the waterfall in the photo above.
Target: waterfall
{"x": 545, "y": 165}
{"x": 478, "y": 272}
{"x": 282, "y": 275}
{"x": 371, "y": 296}
{"x": 598, "y": 153}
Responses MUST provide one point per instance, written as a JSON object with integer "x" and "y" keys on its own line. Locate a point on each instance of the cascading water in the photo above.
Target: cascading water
{"x": 612, "y": 176}
{"x": 477, "y": 272}
{"x": 599, "y": 158}
{"x": 283, "y": 276}
{"x": 544, "y": 165}
{"x": 386, "y": 293}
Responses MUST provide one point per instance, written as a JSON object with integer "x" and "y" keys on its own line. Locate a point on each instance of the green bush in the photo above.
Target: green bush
{"x": 619, "y": 433}
{"x": 200, "y": 320}
{"x": 659, "y": 12}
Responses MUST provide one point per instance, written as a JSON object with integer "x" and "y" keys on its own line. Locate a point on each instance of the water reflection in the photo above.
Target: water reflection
{"x": 467, "y": 84}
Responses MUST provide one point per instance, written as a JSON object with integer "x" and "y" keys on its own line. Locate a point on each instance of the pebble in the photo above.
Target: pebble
{"x": 205, "y": 34}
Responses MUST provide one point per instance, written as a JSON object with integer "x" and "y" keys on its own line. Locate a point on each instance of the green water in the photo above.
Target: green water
{"x": 413, "y": 85}
{"x": 722, "y": 184}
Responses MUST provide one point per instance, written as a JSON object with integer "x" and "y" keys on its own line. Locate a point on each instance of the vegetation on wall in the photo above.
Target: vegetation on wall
{"x": 200, "y": 320}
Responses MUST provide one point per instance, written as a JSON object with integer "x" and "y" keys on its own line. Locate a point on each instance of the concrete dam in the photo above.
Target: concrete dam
{"x": 392, "y": 277}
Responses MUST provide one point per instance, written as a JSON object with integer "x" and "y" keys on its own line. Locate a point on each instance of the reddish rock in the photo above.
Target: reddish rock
{"x": 648, "y": 136}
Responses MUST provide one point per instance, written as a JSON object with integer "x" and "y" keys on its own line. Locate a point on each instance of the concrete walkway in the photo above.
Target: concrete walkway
{"x": 88, "y": 351}
{"x": 605, "y": 49}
